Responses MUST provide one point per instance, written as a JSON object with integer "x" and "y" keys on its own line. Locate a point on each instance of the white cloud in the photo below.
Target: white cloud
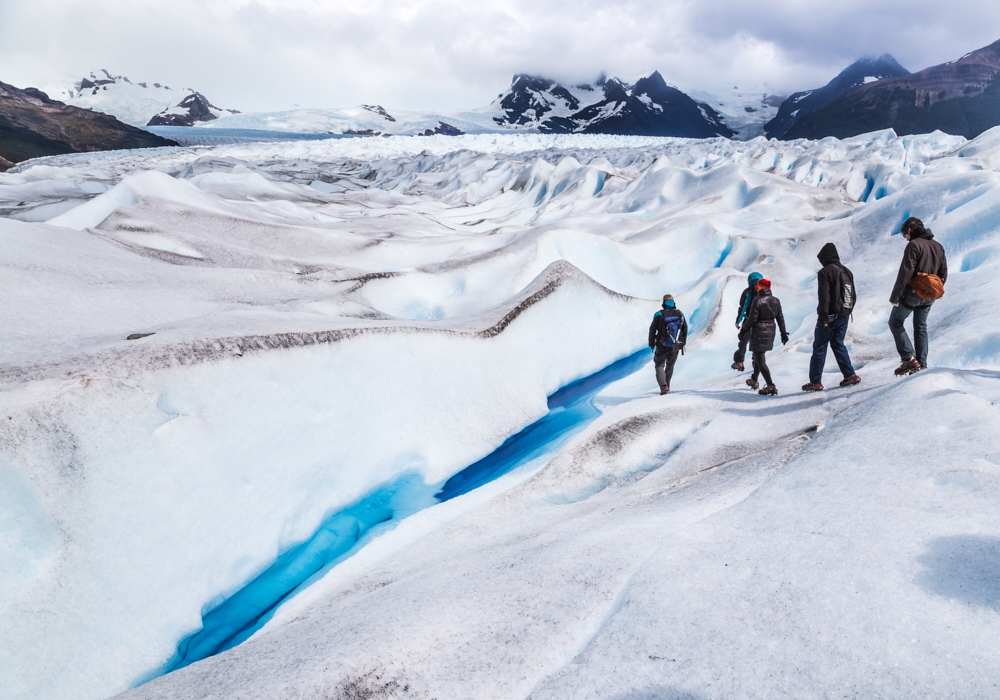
{"x": 422, "y": 54}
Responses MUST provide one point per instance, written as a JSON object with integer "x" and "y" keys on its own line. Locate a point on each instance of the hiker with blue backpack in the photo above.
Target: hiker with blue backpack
{"x": 749, "y": 294}
{"x": 667, "y": 337}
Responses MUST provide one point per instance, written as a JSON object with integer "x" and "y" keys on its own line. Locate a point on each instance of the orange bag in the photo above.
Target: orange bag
{"x": 927, "y": 286}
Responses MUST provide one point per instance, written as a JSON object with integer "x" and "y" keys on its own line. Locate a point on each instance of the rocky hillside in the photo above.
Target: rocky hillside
{"x": 959, "y": 97}
{"x": 32, "y": 125}
{"x": 861, "y": 72}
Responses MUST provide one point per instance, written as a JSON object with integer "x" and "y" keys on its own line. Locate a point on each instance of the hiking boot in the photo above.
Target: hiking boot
{"x": 851, "y": 381}
{"x": 769, "y": 390}
{"x": 664, "y": 390}
{"x": 813, "y": 387}
{"x": 752, "y": 383}
{"x": 738, "y": 366}
{"x": 909, "y": 367}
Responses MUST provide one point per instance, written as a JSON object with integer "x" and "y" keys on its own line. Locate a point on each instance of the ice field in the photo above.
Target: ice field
{"x": 395, "y": 430}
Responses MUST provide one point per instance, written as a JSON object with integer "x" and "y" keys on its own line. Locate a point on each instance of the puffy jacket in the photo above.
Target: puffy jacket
{"x": 658, "y": 331}
{"x": 833, "y": 280}
{"x": 922, "y": 254}
{"x": 749, "y": 294}
{"x": 765, "y": 311}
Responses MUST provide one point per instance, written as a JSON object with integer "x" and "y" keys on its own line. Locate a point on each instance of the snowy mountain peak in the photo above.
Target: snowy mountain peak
{"x": 377, "y": 109}
{"x": 100, "y": 81}
{"x": 609, "y": 106}
{"x": 193, "y": 108}
{"x": 530, "y": 99}
{"x": 135, "y": 102}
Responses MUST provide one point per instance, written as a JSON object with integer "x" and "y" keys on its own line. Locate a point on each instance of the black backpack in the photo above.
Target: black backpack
{"x": 847, "y": 293}
{"x": 847, "y": 297}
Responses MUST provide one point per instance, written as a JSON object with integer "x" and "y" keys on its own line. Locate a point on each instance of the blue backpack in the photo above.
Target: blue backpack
{"x": 670, "y": 330}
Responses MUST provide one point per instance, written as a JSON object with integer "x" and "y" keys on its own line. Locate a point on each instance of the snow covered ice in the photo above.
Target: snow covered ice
{"x": 334, "y": 319}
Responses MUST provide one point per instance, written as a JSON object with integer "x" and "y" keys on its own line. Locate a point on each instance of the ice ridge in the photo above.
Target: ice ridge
{"x": 237, "y": 618}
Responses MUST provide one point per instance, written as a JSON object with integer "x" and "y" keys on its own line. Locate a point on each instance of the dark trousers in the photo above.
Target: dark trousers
{"x": 741, "y": 349}
{"x": 663, "y": 361}
{"x": 920, "y": 309}
{"x": 760, "y": 367}
{"x": 832, "y": 336}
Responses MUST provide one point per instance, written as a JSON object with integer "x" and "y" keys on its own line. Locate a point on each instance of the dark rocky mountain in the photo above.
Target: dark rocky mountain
{"x": 530, "y": 98}
{"x": 959, "y": 97}
{"x": 192, "y": 109}
{"x": 861, "y": 72}
{"x": 33, "y": 125}
{"x": 443, "y": 129}
{"x": 610, "y": 106}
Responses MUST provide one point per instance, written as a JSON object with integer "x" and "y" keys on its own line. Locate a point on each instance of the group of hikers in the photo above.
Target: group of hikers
{"x": 920, "y": 281}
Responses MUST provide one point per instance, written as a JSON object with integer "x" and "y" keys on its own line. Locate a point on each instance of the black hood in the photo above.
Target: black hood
{"x": 828, "y": 254}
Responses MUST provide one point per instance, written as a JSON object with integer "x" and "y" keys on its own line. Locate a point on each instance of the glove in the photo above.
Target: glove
{"x": 825, "y": 324}
{"x": 784, "y": 339}
{"x": 652, "y": 348}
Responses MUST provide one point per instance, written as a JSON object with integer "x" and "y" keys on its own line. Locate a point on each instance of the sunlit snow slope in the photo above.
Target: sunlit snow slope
{"x": 334, "y": 318}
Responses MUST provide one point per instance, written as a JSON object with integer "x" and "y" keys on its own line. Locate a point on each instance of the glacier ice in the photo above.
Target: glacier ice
{"x": 334, "y": 316}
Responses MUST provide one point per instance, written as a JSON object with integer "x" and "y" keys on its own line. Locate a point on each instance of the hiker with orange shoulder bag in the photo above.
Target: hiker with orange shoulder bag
{"x": 921, "y": 278}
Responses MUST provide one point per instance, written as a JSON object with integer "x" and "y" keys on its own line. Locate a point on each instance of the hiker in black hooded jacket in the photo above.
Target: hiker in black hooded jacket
{"x": 837, "y": 298}
{"x": 764, "y": 314}
{"x": 922, "y": 254}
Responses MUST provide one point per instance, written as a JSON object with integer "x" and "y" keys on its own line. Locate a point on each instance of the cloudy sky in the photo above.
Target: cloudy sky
{"x": 451, "y": 54}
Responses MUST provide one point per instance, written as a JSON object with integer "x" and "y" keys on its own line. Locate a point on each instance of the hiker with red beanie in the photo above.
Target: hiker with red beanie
{"x": 764, "y": 314}
{"x": 921, "y": 278}
{"x": 837, "y": 298}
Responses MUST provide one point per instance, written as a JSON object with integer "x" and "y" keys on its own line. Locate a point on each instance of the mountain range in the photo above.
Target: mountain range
{"x": 957, "y": 97}
{"x": 650, "y": 107}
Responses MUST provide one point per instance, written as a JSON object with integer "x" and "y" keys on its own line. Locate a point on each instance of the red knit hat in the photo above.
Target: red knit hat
{"x": 763, "y": 283}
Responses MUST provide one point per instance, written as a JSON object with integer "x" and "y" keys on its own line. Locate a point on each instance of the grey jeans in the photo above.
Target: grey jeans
{"x": 663, "y": 361}
{"x": 920, "y": 309}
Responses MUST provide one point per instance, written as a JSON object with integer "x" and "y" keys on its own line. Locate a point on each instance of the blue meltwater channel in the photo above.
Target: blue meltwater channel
{"x": 235, "y": 619}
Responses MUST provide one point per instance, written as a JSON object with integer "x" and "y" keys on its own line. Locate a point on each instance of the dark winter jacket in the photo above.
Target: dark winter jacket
{"x": 922, "y": 254}
{"x": 749, "y": 294}
{"x": 835, "y": 285}
{"x": 765, "y": 311}
{"x": 658, "y": 329}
